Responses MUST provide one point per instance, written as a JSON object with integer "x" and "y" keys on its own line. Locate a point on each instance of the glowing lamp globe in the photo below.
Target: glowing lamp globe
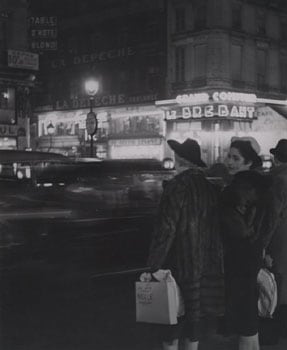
{"x": 91, "y": 87}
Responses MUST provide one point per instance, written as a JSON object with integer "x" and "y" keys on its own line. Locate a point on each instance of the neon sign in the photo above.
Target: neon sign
{"x": 212, "y": 110}
{"x": 224, "y": 96}
{"x": 216, "y": 96}
{"x": 192, "y": 98}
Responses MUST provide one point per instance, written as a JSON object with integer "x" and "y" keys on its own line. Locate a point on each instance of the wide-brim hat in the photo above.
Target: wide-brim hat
{"x": 188, "y": 150}
{"x": 254, "y": 144}
{"x": 280, "y": 151}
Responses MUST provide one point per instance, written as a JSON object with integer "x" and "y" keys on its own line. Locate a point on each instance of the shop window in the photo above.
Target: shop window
{"x": 180, "y": 64}
{"x": 261, "y": 22}
{"x": 261, "y": 68}
{"x": 200, "y": 15}
{"x": 200, "y": 60}
{"x": 74, "y": 89}
{"x": 237, "y": 15}
{"x": 65, "y": 129}
{"x": 7, "y": 105}
{"x": 8, "y": 143}
{"x": 180, "y": 23}
{"x": 236, "y": 61}
{"x": 135, "y": 125}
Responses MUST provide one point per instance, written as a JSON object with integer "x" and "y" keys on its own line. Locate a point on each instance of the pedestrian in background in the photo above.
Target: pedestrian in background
{"x": 274, "y": 227}
{"x": 240, "y": 208}
{"x": 187, "y": 241}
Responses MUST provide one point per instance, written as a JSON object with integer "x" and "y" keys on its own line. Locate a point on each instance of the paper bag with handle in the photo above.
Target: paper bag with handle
{"x": 158, "y": 301}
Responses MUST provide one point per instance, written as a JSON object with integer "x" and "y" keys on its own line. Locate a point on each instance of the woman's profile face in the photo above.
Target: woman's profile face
{"x": 235, "y": 162}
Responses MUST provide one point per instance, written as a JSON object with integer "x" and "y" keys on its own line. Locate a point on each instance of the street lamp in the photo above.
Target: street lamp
{"x": 91, "y": 87}
{"x": 50, "y": 131}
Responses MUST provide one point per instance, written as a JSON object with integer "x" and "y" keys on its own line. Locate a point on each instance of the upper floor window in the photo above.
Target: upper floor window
{"x": 236, "y": 61}
{"x": 261, "y": 22}
{"x": 151, "y": 30}
{"x": 122, "y": 39}
{"x": 180, "y": 24}
{"x": 283, "y": 29}
{"x": 180, "y": 64}
{"x": 74, "y": 86}
{"x": 283, "y": 72}
{"x": 3, "y": 34}
{"x": 261, "y": 67}
{"x": 200, "y": 60}
{"x": 72, "y": 44}
{"x": 200, "y": 15}
{"x": 95, "y": 39}
{"x": 236, "y": 15}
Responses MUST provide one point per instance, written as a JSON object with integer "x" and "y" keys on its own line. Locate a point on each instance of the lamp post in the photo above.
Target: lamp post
{"x": 91, "y": 87}
{"x": 50, "y": 131}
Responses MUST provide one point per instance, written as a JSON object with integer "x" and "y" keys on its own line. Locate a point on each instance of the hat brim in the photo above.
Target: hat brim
{"x": 177, "y": 148}
{"x": 272, "y": 150}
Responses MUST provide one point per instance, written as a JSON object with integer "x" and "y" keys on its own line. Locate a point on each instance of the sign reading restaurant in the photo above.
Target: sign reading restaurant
{"x": 222, "y": 104}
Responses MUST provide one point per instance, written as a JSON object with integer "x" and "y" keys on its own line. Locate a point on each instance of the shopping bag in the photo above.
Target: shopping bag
{"x": 267, "y": 287}
{"x": 156, "y": 302}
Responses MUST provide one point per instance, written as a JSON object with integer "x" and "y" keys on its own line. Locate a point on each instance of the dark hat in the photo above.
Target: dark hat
{"x": 280, "y": 151}
{"x": 188, "y": 150}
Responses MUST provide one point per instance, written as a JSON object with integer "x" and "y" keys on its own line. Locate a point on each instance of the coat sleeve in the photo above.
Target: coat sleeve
{"x": 169, "y": 212}
{"x": 275, "y": 201}
{"x": 234, "y": 222}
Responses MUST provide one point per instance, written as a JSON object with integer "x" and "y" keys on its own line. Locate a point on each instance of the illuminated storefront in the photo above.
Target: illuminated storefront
{"x": 134, "y": 132}
{"x": 13, "y": 127}
{"x": 8, "y": 133}
{"x": 214, "y": 117}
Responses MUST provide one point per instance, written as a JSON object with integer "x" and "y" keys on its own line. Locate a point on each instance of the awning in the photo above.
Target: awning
{"x": 282, "y": 110}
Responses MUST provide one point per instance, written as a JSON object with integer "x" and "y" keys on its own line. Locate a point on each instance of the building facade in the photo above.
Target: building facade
{"x": 227, "y": 73}
{"x": 122, "y": 44}
{"x": 205, "y": 69}
{"x": 17, "y": 68}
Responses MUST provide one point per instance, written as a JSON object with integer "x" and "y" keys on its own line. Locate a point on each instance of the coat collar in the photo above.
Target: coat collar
{"x": 279, "y": 169}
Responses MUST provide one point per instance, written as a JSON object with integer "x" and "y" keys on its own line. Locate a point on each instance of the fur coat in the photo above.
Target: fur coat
{"x": 187, "y": 240}
{"x": 274, "y": 227}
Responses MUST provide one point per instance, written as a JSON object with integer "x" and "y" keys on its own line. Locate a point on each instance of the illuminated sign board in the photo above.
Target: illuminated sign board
{"x": 148, "y": 148}
{"x": 212, "y": 110}
{"x": 225, "y": 96}
{"x": 23, "y": 59}
{"x": 216, "y": 96}
{"x": 43, "y": 32}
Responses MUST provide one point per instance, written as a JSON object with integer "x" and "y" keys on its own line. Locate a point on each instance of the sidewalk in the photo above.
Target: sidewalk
{"x": 68, "y": 308}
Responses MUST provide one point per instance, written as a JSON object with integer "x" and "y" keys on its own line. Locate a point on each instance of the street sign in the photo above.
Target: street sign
{"x": 23, "y": 59}
{"x": 43, "y": 33}
{"x": 91, "y": 123}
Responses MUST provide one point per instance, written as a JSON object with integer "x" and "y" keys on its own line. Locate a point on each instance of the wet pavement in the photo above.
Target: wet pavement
{"x": 70, "y": 307}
